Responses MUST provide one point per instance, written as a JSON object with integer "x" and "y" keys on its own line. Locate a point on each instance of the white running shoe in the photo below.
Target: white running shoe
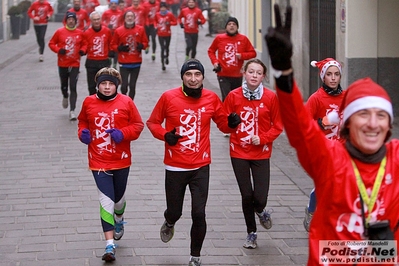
{"x": 72, "y": 116}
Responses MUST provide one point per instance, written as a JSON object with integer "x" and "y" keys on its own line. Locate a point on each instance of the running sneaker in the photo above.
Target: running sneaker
{"x": 72, "y": 116}
{"x": 307, "y": 219}
{"x": 153, "y": 57}
{"x": 167, "y": 60}
{"x": 109, "y": 254}
{"x": 41, "y": 58}
{"x": 265, "y": 218}
{"x": 65, "y": 103}
{"x": 167, "y": 232}
{"x": 250, "y": 242}
{"x": 194, "y": 261}
{"x": 119, "y": 229}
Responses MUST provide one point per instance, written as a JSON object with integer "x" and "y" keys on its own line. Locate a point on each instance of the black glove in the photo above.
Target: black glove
{"x": 111, "y": 54}
{"x": 81, "y": 53}
{"x": 139, "y": 47}
{"x": 123, "y": 48}
{"x": 217, "y": 69}
{"x": 182, "y": 25}
{"x": 62, "y": 51}
{"x": 171, "y": 137}
{"x": 233, "y": 120}
{"x": 278, "y": 40}
{"x": 199, "y": 22}
{"x": 110, "y": 26}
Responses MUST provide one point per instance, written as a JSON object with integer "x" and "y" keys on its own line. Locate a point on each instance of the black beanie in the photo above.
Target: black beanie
{"x": 71, "y": 15}
{"x": 192, "y": 64}
{"x": 233, "y": 19}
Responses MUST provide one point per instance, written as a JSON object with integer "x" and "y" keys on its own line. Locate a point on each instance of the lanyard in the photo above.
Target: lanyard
{"x": 370, "y": 201}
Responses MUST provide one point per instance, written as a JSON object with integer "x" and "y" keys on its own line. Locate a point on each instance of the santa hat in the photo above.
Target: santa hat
{"x": 362, "y": 94}
{"x": 323, "y": 65}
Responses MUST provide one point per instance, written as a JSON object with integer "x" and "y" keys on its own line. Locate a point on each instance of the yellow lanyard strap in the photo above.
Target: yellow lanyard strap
{"x": 376, "y": 187}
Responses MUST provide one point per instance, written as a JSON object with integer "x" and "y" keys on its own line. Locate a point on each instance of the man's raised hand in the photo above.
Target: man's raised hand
{"x": 278, "y": 40}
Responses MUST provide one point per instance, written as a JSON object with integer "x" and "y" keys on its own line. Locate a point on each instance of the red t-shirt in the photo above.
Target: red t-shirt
{"x": 150, "y": 10}
{"x": 90, "y": 5}
{"x": 223, "y": 50}
{"x": 132, "y": 37}
{"x": 97, "y": 116}
{"x": 98, "y": 43}
{"x": 112, "y": 18}
{"x": 70, "y": 40}
{"x": 43, "y": 11}
{"x": 190, "y": 18}
{"x": 321, "y": 104}
{"x": 163, "y": 23}
{"x": 192, "y": 120}
{"x": 258, "y": 117}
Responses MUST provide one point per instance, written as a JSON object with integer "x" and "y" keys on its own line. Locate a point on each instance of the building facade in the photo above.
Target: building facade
{"x": 362, "y": 34}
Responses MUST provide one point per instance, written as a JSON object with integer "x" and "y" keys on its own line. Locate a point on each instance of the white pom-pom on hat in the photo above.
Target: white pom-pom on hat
{"x": 313, "y": 63}
{"x": 333, "y": 118}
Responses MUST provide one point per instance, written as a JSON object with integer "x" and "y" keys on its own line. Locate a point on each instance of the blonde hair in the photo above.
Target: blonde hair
{"x": 108, "y": 71}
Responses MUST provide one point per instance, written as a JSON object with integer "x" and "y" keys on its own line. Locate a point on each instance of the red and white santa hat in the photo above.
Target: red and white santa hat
{"x": 323, "y": 65}
{"x": 362, "y": 94}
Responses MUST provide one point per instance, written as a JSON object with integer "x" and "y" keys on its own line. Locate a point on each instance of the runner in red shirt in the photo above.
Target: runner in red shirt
{"x": 108, "y": 123}
{"x": 90, "y": 5}
{"x": 189, "y": 19}
{"x": 321, "y": 104}
{"x": 182, "y": 120}
{"x": 98, "y": 39}
{"x": 129, "y": 40}
{"x": 112, "y": 17}
{"x": 228, "y": 52}
{"x": 357, "y": 180}
{"x": 68, "y": 43}
{"x": 40, "y": 11}
{"x": 163, "y": 20}
{"x": 151, "y": 8}
{"x": 252, "y": 143}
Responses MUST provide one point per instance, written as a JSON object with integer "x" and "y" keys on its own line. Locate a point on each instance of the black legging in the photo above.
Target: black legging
{"x": 175, "y": 187}
{"x": 227, "y": 84}
{"x": 191, "y": 44}
{"x": 71, "y": 75}
{"x": 164, "y": 42}
{"x": 151, "y": 32}
{"x": 131, "y": 83}
{"x": 40, "y": 31}
{"x": 253, "y": 196}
